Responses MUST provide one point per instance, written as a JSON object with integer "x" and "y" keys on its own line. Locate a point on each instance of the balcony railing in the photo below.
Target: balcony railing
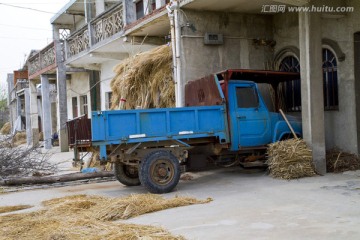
{"x": 78, "y": 42}
{"x": 43, "y": 59}
{"x": 102, "y": 27}
{"x": 108, "y": 24}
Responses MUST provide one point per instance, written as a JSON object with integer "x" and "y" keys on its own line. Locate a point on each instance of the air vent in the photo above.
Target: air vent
{"x": 213, "y": 39}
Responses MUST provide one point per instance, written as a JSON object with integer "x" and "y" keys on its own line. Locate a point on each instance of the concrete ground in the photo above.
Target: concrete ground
{"x": 247, "y": 205}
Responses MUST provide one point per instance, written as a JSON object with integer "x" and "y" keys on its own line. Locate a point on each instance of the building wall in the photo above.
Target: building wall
{"x": 340, "y": 125}
{"x": 107, "y": 75}
{"x": 76, "y": 87}
{"x": 237, "y": 51}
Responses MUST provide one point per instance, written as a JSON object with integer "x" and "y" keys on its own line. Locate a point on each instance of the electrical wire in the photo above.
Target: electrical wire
{"x": 27, "y": 8}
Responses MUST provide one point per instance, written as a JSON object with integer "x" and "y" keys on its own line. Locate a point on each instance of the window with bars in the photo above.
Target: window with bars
{"x": 83, "y": 105}
{"x": 291, "y": 91}
{"x": 330, "y": 77}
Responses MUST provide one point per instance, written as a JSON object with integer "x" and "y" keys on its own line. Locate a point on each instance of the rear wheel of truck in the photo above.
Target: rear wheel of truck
{"x": 160, "y": 172}
{"x": 126, "y": 174}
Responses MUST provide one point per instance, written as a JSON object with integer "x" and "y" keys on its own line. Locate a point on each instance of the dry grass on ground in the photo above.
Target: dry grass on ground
{"x": 7, "y": 209}
{"x": 19, "y": 138}
{"x": 290, "y": 159}
{"x": 339, "y": 161}
{"x": 91, "y": 217}
{"x": 5, "y": 130}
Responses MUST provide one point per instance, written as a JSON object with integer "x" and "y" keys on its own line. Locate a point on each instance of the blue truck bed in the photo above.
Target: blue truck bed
{"x": 145, "y": 125}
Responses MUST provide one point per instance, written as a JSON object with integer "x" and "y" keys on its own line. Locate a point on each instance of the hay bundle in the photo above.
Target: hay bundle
{"x": 5, "y": 130}
{"x": 7, "y": 209}
{"x": 338, "y": 161}
{"x": 88, "y": 217}
{"x": 19, "y": 138}
{"x": 145, "y": 80}
{"x": 290, "y": 159}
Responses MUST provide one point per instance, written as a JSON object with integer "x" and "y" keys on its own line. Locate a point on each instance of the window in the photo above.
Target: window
{"x": 331, "y": 100}
{"x": 74, "y": 107}
{"x": 247, "y": 97}
{"x": 292, "y": 89}
{"x": 83, "y": 105}
{"x": 108, "y": 102}
{"x": 139, "y": 9}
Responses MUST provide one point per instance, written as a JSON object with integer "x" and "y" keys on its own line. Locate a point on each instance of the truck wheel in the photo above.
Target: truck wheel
{"x": 160, "y": 172}
{"x": 127, "y": 175}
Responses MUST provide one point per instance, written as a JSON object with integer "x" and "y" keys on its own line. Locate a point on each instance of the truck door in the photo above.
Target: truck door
{"x": 250, "y": 116}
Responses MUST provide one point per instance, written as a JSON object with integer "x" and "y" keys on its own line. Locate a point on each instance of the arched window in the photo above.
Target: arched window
{"x": 292, "y": 89}
{"x": 330, "y": 77}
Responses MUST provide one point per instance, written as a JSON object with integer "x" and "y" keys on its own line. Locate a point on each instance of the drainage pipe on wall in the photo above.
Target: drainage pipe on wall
{"x": 173, "y": 11}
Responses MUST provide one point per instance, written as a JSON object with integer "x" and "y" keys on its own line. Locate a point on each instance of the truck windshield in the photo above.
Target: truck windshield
{"x": 246, "y": 97}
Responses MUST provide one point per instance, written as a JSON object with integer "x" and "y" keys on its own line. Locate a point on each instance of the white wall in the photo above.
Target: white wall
{"x": 107, "y": 75}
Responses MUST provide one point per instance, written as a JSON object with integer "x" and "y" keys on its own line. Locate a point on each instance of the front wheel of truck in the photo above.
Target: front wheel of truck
{"x": 160, "y": 172}
{"x": 127, "y": 175}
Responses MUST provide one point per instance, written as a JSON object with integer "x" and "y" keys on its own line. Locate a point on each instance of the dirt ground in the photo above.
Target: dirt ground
{"x": 248, "y": 204}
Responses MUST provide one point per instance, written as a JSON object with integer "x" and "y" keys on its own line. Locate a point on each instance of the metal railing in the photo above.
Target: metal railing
{"x": 79, "y": 131}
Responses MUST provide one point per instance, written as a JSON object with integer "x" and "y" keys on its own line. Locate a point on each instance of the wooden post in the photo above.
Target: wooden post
{"x": 288, "y": 123}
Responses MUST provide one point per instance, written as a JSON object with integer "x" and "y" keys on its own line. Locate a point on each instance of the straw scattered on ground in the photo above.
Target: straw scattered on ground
{"x": 19, "y": 138}
{"x": 7, "y": 209}
{"x": 92, "y": 217}
{"x": 145, "y": 80}
{"x": 5, "y": 130}
{"x": 338, "y": 161}
{"x": 290, "y": 159}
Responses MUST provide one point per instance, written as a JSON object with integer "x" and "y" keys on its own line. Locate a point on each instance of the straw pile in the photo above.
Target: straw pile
{"x": 290, "y": 159}
{"x": 5, "y": 130}
{"x": 145, "y": 80}
{"x": 91, "y": 217}
{"x": 19, "y": 138}
{"x": 338, "y": 161}
{"x": 7, "y": 209}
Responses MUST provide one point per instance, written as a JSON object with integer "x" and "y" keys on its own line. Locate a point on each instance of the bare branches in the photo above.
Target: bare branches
{"x": 23, "y": 161}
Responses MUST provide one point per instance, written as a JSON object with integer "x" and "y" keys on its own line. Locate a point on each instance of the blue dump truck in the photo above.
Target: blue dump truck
{"x": 225, "y": 121}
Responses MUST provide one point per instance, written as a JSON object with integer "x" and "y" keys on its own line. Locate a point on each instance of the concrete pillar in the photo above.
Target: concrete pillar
{"x": 312, "y": 99}
{"x": 34, "y": 114}
{"x": 18, "y": 106}
{"x": 46, "y": 111}
{"x": 357, "y": 85}
{"x": 100, "y": 6}
{"x": 89, "y": 13}
{"x": 61, "y": 92}
{"x": 27, "y": 116}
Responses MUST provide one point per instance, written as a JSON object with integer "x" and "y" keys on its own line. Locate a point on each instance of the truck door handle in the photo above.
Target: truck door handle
{"x": 241, "y": 117}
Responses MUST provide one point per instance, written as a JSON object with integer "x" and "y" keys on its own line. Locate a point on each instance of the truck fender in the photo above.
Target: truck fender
{"x": 280, "y": 130}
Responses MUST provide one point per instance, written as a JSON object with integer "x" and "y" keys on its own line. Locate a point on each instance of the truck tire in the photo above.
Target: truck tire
{"x": 125, "y": 176}
{"x": 160, "y": 172}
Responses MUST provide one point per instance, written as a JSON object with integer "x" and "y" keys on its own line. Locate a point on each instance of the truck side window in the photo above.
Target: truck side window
{"x": 247, "y": 97}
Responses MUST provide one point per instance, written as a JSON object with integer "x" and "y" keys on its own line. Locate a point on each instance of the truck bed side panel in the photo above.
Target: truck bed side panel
{"x": 132, "y": 126}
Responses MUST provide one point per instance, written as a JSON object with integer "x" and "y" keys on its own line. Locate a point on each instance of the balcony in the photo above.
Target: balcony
{"x": 43, "y": 61}
{"x": 99, "y": 29}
